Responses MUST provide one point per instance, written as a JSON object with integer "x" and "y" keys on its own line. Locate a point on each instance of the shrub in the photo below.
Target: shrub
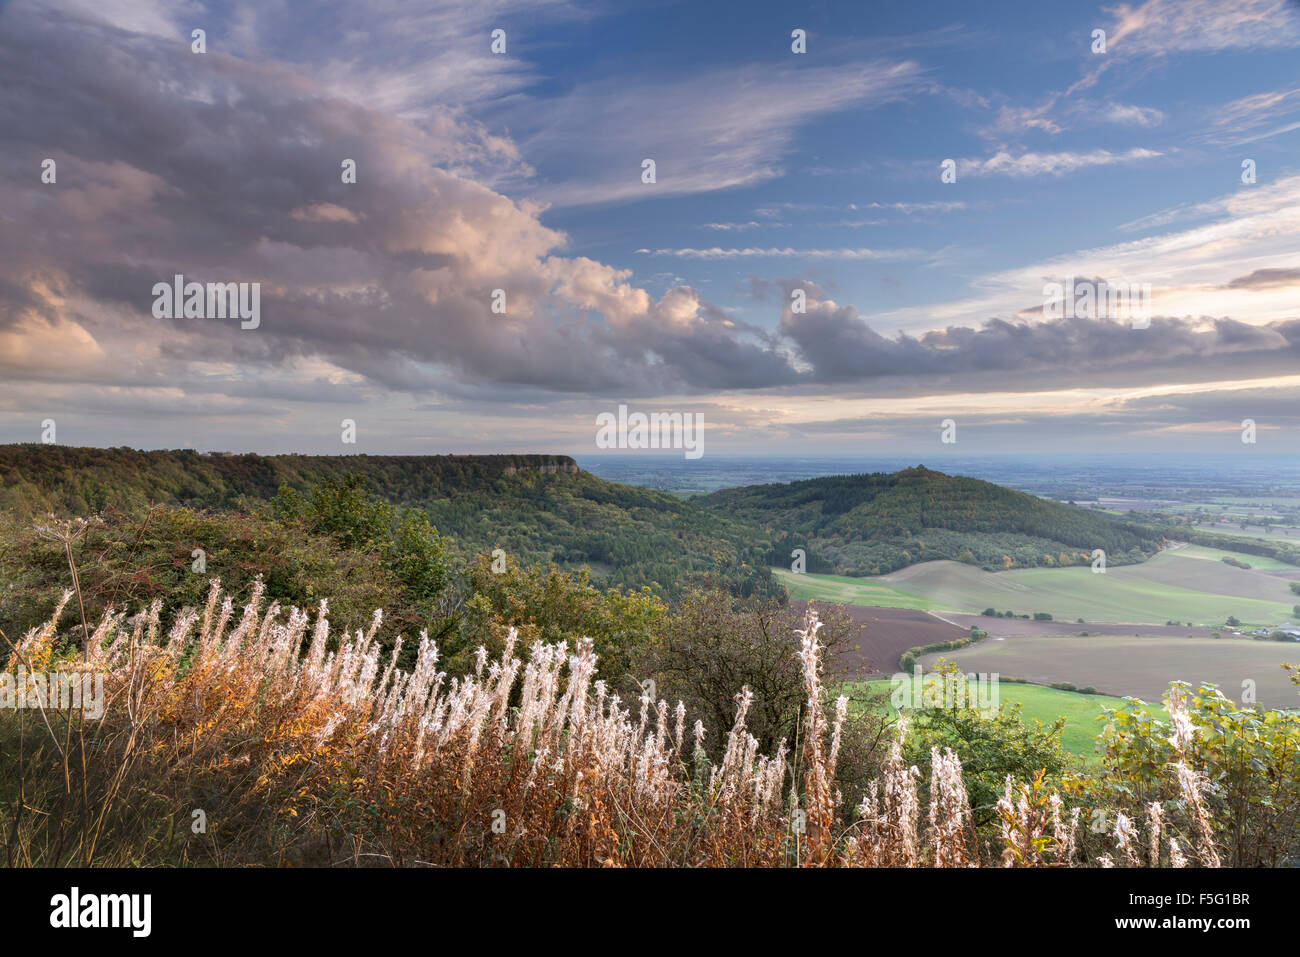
{"x": 1227, "y": 777}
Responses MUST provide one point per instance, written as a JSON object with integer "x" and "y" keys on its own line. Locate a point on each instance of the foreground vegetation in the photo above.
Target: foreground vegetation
{"x": 291, "y": 747}
{"x": 501, "y": 712}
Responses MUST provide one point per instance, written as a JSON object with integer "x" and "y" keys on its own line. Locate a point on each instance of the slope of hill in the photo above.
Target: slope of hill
{"x": 545, "y": 508}
{"x": 536, "y": 508}
{"x": 874, "y": 524}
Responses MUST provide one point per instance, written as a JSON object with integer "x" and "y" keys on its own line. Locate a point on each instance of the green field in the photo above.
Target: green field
{"x": 853, "y": 591}
{"x": 1187, "y": 584}
{"x": 1047, "y": 704}
{"x": 1261, "y": 562}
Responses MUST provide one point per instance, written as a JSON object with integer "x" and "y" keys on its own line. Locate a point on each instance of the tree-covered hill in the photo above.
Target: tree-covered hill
{"x": 536, "y": 508}
{"x": 541, "y": 508}
{"x": 48, "y": 478}
{"x": 877, "y": 523}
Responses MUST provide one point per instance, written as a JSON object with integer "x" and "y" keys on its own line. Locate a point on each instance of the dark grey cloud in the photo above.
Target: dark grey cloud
{"x": 1266, "y": 279}
{"x": 842, "y": 347}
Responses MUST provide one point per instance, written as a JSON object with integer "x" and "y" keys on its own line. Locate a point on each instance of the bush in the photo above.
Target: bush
{"x": 991, "y": 746}
{"x": 1241, "y": 801}
{"x": 712, "y": 643}
{"x": 907, "y": 661}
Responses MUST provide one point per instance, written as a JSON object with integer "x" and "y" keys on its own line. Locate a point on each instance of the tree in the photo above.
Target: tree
{"x": 346, "y": 511}
{"x": 416, "y": 555}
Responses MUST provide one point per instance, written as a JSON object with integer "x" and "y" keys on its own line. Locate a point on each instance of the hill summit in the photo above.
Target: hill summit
{"x": 875, "y": 523}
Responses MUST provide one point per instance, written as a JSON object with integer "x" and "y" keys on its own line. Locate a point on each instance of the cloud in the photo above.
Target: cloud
{"x": 783, "y": 253}
{"x": 1129, "y": 114}
{"x": 730, "y": 127}
{"x": 1004, "y": 163}
{"x": 735, "y": 227}
{"x": 842, "y": 347}
{"x": 1189, "y": 269}
{"x": 1203, "y": 26}
{"x": 224, "y": 169}
{"x": 324, "y": 213}
{"x": 1239, "y": 121}
{"x": 1267, "y": 279}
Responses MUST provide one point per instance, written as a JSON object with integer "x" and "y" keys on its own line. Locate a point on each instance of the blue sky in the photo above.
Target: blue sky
{"x": 776, "y": 171}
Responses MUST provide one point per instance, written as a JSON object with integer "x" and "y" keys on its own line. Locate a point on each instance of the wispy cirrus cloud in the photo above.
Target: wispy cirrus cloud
{"x": 1139, "y": 34}
{"x": 731, "y": 127}
{"x": 1243, "y": 120}
{"x": 1203, "y": 26}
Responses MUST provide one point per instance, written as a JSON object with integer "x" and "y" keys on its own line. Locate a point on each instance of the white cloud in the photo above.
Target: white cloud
{"x": 1050, "y": 164}
{"x": 1128, "y": 114}
{"x": 782, "y": 253}
{"x": 1189, "y": 270}
{"x": 1239, "y": 121}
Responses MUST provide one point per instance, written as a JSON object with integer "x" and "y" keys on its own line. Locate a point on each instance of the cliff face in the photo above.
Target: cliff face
{"x": 36, "y": 478}
{"x": 545, "y": 464}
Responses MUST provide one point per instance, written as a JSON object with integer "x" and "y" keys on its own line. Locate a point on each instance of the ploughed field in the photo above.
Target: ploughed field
{"x": 1124, "y": 645}
{"x": 1139, "y": 667}
{"x": 1016, "y": 627}
{"x": 883, "y": 634}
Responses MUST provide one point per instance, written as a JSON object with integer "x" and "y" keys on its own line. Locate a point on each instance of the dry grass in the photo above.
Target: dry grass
{"x": 299, "y": 754}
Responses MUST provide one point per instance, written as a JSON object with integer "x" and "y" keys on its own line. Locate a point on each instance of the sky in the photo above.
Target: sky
{"x": 841, "y": 248}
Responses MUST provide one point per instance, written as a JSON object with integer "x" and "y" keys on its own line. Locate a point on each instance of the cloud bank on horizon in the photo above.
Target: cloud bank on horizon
{"x": 838, "y": 247}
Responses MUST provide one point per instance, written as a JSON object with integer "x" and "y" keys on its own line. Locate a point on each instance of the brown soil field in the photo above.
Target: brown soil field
{"x": 885, "y": 633}
{"x": 1022, "y": 627}
{"x": 1141, "y": 667}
